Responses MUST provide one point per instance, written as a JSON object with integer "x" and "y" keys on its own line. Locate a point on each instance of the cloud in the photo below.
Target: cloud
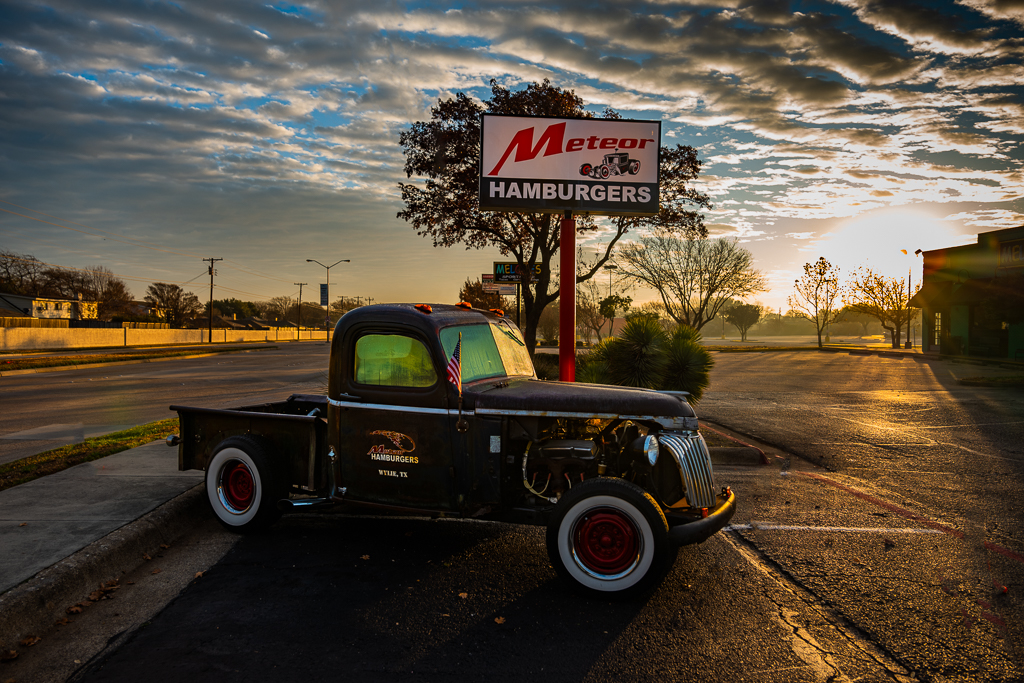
{"x": 133, "y": 110}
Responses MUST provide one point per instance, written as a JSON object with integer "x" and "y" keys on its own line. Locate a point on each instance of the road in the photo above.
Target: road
{"x": 936, "y": 467}
{"x": 882, "y": 544}
{"x": 45, "y": 410}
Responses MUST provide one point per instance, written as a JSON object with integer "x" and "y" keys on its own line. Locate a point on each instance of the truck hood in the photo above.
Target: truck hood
{"x": 570, "y": 399}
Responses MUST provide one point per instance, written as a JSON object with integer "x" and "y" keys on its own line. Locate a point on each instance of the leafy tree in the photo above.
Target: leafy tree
{"x": 884, "y": 298}
{"x": 695, "y": 277}
{"x": 473, "y": 292}
{"x": 172, "y": 303}
{"x": 846, "y": 315}
{"x": 610, "y": 305}
{"x": 548, "y": 324}
{"x": 645, "y": 355}
{"x": 234, "y": 307}
{"x": 817, "y": 292}
{"x": 445, "y": 150}
{"x": 743, "y": 317}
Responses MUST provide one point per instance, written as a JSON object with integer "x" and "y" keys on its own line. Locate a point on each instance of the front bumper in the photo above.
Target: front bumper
{"x": 699, "y": 530}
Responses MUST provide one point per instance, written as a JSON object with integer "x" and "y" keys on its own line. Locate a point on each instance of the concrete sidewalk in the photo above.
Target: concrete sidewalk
{"x": 67, "y": 532}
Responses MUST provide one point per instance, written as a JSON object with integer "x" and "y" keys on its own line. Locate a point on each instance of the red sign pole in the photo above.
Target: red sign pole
{"x": 567, "y": 300}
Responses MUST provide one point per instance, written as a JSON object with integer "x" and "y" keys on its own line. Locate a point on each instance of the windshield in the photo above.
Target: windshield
{"x": 492, "y": 350}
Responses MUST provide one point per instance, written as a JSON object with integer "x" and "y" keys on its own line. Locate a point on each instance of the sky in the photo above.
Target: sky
{"x": 147, "y": 136}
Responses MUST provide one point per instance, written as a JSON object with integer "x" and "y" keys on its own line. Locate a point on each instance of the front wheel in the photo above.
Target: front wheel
{"x": 243, "y": 485}
{"x": 609, "y": 538}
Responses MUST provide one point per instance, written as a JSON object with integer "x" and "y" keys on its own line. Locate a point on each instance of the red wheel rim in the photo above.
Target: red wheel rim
{"x": 606, "y": 542}
{"x": 238, "y": 485}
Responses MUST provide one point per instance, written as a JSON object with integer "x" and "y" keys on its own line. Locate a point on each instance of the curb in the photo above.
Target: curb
{"x": 32, "y": 607}
{"x": 743, "y": 455}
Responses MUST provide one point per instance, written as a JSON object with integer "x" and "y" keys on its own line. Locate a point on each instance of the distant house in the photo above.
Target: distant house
{"x": 45, "y": 308}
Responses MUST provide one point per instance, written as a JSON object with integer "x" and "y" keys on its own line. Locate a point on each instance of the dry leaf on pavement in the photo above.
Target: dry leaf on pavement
{"x": 29, "y": 641}
{"x": 499, "y": 620}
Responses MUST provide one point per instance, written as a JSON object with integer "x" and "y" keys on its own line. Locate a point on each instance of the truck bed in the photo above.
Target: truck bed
{"x": 295, "y": 430}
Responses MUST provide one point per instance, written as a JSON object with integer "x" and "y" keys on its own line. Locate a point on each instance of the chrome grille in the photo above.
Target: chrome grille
{"x": 694, "y": 460}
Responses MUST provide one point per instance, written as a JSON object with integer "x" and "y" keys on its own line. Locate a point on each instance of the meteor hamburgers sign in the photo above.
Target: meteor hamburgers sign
{"x": 531, "y": 163}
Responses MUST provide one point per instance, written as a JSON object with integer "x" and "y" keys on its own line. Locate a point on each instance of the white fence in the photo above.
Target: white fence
{"x": 19, "y": 338}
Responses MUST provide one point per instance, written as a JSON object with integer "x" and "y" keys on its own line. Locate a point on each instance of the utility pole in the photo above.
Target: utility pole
{"x": 209, "y": 340}
{"x": 298, "y": 322}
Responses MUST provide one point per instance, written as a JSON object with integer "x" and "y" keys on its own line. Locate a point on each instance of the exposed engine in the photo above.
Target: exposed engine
{"x": 559, "y": 453}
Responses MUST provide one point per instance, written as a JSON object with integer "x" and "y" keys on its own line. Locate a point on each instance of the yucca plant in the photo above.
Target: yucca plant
{"x": 645, "y": 356}
{"x": 688, "y": 363}
{"x": 636, "y": 357}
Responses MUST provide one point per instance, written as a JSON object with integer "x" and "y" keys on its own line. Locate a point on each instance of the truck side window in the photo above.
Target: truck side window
{"x": 393, "y": 360}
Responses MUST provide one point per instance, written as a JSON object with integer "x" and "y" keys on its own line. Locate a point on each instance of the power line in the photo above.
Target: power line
{"x": 212, "y": 271}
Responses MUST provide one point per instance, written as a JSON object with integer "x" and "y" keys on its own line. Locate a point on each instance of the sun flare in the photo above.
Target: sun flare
{"x": 886, "y": 241}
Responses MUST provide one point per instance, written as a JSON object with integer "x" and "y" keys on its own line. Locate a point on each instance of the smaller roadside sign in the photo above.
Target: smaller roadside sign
{"x": 506, "y": 290}
{"x": 509, "y": 272}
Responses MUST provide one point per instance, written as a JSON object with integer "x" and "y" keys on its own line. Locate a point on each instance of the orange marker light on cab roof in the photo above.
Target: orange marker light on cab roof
{"x": 465, "y": 304}
{"x": 497, "y": 311}
{"x": 424, "y": 308}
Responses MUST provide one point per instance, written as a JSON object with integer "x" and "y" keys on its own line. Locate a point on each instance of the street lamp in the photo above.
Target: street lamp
{"x": 327, "y": 318}
{"x": 910, "y": 273}
{"x": 610, "y": 267}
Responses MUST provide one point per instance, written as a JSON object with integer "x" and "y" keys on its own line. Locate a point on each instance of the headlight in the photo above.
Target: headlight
{"x": 651, "y": 449}
{"x": 644, "y": 450}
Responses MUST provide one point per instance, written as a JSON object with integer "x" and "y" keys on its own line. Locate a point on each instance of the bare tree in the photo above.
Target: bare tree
{"x": 883, "y": 298}
{"x": 114, "y": 297}
{"x": 20, "y": 273}
{"x": 694, "y": 277}
{"x": 817, "y": 292}
{"x": 589, "y": 320}
{"x": 172, "y": 303}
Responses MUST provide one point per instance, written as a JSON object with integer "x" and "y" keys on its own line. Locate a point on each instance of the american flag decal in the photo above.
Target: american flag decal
{"x": 455, "y": 366}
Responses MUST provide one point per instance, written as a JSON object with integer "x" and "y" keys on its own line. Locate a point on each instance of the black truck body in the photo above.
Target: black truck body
{"x": 620, "y": 476}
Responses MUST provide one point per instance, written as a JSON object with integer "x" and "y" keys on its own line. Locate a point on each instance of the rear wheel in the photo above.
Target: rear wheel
{"x": 634, "y": 167}
{"x": 243, "y": 484}
{"x": 609, "y": 538}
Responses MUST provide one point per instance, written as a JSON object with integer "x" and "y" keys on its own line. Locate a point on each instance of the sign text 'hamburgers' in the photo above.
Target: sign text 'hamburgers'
{"x": 543, "y": 164}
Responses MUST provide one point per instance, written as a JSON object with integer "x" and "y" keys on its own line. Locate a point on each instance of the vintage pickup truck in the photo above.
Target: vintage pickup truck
{"x": 620, "y": 477}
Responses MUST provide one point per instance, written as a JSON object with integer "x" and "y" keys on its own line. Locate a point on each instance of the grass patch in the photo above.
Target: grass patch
{"x": 1008, "y": 381}
{"x": 58, "y": 459}
{"x": 91, "y": 359}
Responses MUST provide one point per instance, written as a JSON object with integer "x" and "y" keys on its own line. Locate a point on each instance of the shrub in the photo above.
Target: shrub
{"x": 644, "y": 355}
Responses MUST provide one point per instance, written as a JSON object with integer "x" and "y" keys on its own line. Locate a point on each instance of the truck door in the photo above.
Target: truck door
{"x": 395, "y": 440}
